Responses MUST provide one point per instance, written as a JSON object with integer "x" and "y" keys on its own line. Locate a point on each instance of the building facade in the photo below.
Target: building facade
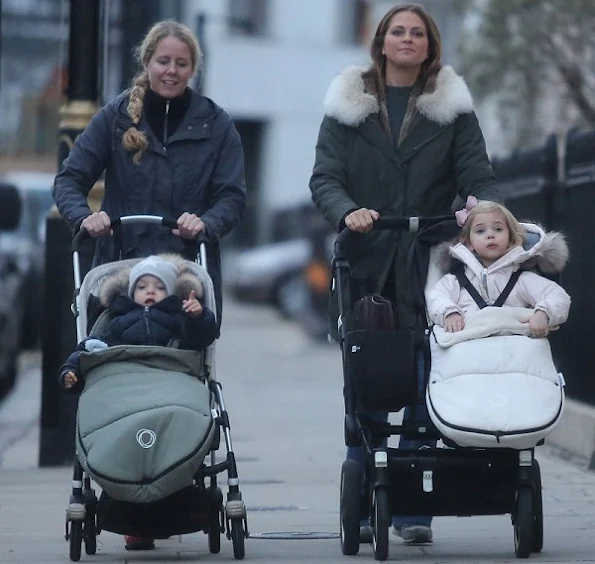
{"x": 269, "y": 64}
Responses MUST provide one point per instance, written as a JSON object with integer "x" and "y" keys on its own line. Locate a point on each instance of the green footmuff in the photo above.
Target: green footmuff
{"x": 144, "y": 422}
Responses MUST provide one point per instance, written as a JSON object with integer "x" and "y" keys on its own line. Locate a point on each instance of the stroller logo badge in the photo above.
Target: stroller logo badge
{"x": 146, "y": 438}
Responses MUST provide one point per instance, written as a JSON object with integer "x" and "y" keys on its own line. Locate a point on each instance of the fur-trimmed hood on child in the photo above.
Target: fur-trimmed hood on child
{"x": 547, "y": 252}
{"x": 115, "y": 283}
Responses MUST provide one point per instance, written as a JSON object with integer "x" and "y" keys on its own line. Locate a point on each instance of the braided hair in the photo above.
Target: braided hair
{"x": 133, "y": 139}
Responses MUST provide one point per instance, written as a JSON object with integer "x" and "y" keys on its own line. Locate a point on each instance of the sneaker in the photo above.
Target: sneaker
{"x": 414, "y": 534}
{"x": 365, "y": 532}
{"x": 138, "y": 543}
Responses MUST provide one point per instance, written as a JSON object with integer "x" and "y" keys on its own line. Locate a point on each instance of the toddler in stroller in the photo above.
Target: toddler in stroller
{"x": 149, "y": 414}
{"x": 488, "y": 469}
{"x": 493, "y": 381}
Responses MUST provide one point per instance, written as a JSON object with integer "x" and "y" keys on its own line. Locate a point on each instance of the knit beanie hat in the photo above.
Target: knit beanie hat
{"x": 154, "y": 266}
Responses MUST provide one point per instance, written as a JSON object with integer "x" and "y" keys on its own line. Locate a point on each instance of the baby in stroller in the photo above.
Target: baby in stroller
{"x": 157, "y": 302}
{"x": 503, "y": 390}
{"x": 154, "y": 303}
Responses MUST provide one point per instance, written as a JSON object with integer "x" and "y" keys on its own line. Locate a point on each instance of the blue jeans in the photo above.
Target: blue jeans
{"x": 418, "y": 412}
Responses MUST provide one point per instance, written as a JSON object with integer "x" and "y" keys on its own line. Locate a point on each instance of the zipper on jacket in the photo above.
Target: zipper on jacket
{"x": 147, "y": 324}
{"x": 165, "y": 125}
{"x": 484, "y": 283}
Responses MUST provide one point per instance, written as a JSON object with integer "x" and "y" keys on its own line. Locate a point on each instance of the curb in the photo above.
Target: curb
{"x": 574, "y": 436}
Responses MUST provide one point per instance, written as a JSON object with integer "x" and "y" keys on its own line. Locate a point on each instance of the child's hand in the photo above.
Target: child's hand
{"x": 454, "y": 322}
{"x": 539, "y": 324}
{"x": 69, "y": 379}
{"x": 192, "y": 306}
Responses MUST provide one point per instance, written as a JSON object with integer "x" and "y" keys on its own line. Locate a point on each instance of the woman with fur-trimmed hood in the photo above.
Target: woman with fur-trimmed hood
{"x": 398, "y": 138}
{"x": 491, "y": 248}
{"x": 157, "y": 302}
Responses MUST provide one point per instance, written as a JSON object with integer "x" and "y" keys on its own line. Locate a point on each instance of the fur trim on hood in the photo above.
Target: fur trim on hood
{"x": 115, "y": 282}
{"x": 547, "y": 251}
{"x": 350, "y": 102}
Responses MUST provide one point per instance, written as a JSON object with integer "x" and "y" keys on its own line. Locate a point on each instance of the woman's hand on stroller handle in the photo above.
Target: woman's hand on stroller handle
{"x": 99, "y": 224}
{"x": 397, "y": 223}
{"x": 361, "y": 220}
{"x": 188, "y": 226}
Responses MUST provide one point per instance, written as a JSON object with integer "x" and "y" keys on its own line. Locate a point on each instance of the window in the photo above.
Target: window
{"x": 247, "y": 17}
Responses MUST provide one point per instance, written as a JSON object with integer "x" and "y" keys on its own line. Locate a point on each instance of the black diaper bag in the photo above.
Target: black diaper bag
{"x": 380, "y": 357}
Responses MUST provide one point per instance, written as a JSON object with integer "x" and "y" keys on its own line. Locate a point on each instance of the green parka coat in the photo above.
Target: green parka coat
{"x": 441, "y": 154}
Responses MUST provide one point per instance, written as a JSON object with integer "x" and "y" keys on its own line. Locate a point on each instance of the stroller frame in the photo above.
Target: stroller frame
{"x": 84, "y": 512}
{"x": 432, "y": 481}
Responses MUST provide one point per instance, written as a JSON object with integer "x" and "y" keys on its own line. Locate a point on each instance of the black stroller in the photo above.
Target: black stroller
{"x": 380, "y": 374}
{"x": 143, "y": 495}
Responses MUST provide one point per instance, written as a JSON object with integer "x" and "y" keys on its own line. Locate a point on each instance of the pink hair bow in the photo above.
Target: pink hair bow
{"x": 463, "y": 214}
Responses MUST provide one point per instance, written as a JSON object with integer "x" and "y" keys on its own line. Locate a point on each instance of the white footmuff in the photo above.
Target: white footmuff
{"x": 491, "y": 385}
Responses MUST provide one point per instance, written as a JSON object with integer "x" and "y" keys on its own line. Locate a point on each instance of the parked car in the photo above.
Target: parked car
{"x": 26, "y": 245}
{"x": 10, "y": 291}
{"x": 270, "y": 274}
{"x": 281, "y": 273}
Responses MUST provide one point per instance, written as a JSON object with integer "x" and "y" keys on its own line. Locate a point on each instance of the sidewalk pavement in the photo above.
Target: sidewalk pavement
{"x": 283, "y": 394}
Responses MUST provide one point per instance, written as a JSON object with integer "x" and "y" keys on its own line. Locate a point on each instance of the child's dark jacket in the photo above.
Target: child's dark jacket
{"x": 161, "y": 324}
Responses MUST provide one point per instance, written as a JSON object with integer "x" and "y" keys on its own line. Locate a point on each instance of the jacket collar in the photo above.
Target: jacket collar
{"x": 349, "y": 102}
{"x": 124, "y": 304}
{"x": 196, "y": 124}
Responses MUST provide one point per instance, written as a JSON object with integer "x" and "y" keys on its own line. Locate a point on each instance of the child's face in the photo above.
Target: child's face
{"x": 149, "y": 290}
{"x": 489, "y": 237}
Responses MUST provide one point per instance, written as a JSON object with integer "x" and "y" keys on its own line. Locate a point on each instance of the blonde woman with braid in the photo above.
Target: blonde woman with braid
{"x": 166, "y": 150}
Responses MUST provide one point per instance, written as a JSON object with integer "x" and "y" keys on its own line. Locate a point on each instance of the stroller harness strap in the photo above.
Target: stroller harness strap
{"x": 466, "y": 283}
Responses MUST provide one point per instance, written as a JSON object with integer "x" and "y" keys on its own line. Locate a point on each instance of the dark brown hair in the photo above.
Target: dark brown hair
{"x": 430, "y": 66}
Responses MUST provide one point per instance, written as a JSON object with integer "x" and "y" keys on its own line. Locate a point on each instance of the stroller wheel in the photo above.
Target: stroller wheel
{"x": 380, "y": 523}
{"x": 237, "y": 537}
{"x": 76, "y": 540}
{"x": 90, "y": 535}
{"x": 90, "y": 524}
{"x": 215, "y": 519}
{"x": 349, "y": 507}
{"x": 537, "y": 509}
{"x": 523, "y": 522}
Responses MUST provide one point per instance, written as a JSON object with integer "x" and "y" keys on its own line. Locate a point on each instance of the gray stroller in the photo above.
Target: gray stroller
{"x": 147, "y": 418}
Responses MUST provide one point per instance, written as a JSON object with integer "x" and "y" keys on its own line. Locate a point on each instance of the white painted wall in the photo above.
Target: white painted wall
{"x": 280, "y": 78}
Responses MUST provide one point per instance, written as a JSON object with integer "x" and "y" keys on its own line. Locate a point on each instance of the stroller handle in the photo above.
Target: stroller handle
{"x": 168, "y": 222}
{"x": 412, "y": 224}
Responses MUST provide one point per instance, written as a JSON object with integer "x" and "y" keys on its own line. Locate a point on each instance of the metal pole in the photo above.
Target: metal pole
{"x": 201, "y": 22}
{"x": 137, "y": 17}
{"x": 58, "y": 410}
